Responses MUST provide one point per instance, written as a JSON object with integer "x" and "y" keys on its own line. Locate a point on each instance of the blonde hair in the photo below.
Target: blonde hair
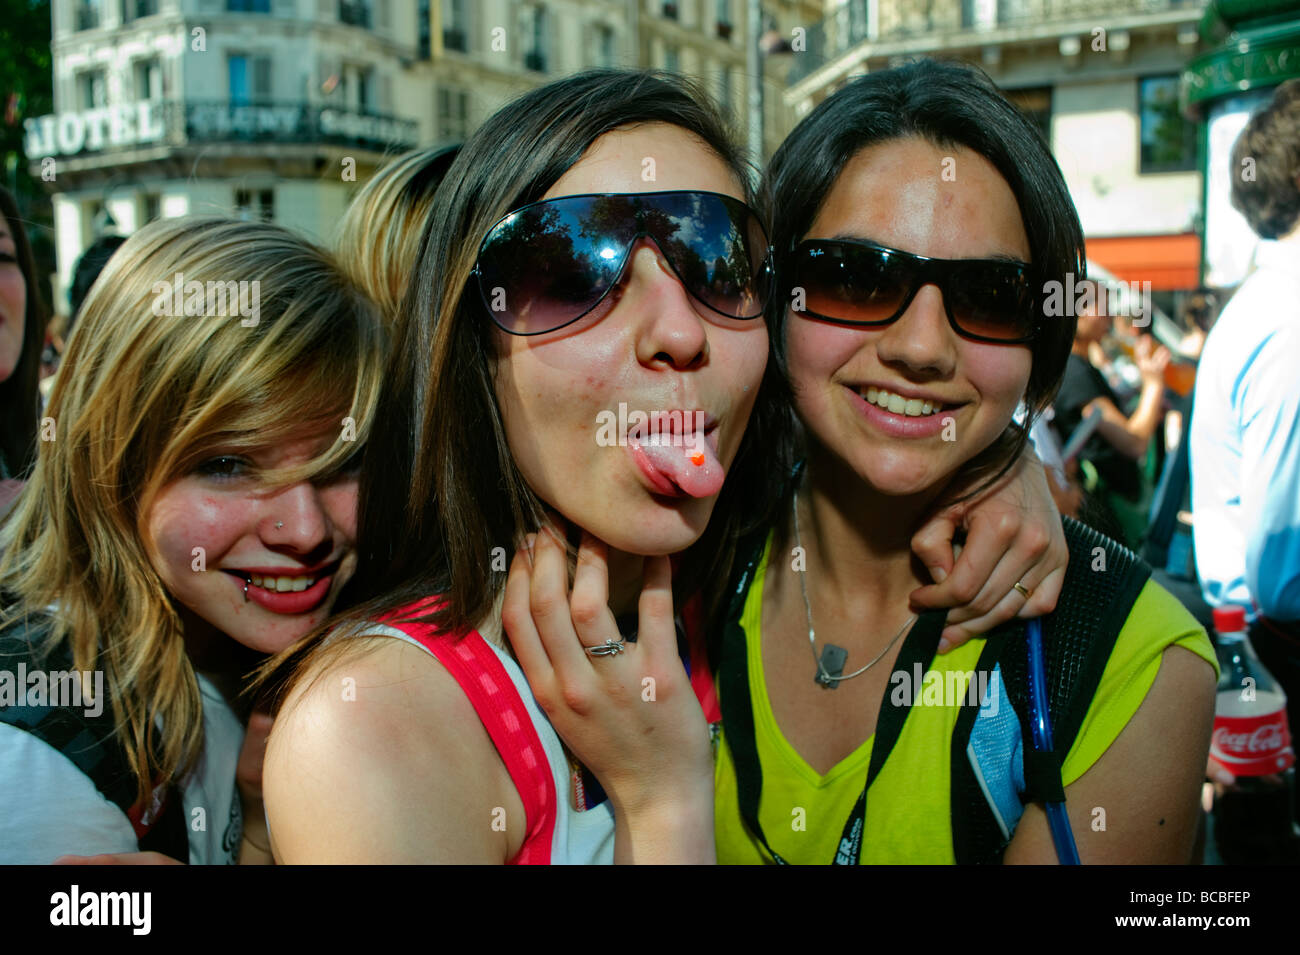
{"x": 141, "y": 399}
{"x": 378, "y": 239}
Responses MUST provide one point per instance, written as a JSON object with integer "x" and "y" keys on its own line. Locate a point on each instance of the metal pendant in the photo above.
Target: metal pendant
{"x": 832, "y": 660}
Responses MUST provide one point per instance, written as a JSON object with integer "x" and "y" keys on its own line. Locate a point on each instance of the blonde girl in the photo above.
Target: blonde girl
{"x": 193, "y": 508}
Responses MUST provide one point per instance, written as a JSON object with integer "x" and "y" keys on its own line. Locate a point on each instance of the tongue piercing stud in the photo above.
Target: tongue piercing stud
{"x": 697, "y": 458}
{"x": 245, "y": 591}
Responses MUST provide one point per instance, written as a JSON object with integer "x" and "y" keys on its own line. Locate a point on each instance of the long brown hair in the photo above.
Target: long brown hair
{"x": 141, "y": 399}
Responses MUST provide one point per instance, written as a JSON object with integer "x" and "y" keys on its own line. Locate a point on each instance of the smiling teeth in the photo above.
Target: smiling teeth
{"x": 282, "y": 584}
{"x": 911, "y": 407}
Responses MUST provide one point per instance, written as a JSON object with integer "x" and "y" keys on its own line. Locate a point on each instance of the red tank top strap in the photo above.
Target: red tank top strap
{"x": 701, "y": 675}
{"x": 491, "y": 691}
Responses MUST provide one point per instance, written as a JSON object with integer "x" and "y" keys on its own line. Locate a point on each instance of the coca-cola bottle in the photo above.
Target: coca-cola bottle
{"x": 1254, "y": 821}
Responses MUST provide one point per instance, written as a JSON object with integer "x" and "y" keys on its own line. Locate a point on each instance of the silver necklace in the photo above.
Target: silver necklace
{"x": 832, "y": 654}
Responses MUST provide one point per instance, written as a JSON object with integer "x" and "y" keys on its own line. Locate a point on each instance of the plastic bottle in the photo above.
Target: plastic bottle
{"x": 1251, "y": 740}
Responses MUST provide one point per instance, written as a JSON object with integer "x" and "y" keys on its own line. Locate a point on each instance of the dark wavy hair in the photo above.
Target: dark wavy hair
{"x": 1270, "y": 200}
{"x": 439, "y": 484}
{"x": 19, "y": 399}
{"x": 947, "y": 104}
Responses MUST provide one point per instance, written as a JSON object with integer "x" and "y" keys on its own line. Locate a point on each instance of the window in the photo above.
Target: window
{"x": 1168, "y": 140}
{"x": 255, "y": 204}
{"x": 604, "y": 45}
{"x": 535, "y": 30}
{"x": 237, "y": 71}
{"x": 355, "y": 13}
{"x": 250, "y": 79}
{"x": 725, "y": 92}
{"x": 92, "y": 89}
{"x": 670, "y": 10}
{"x": 87, "y": 14}
{"x": 1035, "y": 103}
{"x": 722, "y": 17}
{"x": 453, "y": 115}
{"x": 148, "y": 80}
{"x": 248, "y": 6}
{"x": 672, "y": 58}
{"x": 425, "y": 30}
{"x": 365, "y": 86}
{"x": 455, "y": 25}
{"x": 135, "y": 9}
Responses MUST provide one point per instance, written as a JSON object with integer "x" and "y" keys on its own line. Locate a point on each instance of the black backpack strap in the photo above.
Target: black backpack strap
{"x": 1102, "y": 582}
{"x": 976, "y": 835}
{"x": 89, "y": 742}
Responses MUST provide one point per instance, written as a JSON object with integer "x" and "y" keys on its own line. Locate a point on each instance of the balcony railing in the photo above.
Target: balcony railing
{"x": 207, "y": 122}
{"x": 893, "y": 20}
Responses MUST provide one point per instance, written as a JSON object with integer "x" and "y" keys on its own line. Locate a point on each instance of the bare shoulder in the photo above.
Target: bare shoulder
{"x": 1140, "y": 802}
{"x": 377, "y": 755}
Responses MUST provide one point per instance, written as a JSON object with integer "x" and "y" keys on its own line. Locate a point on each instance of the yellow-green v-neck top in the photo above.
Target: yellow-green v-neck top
{"x": 908, "y": 817}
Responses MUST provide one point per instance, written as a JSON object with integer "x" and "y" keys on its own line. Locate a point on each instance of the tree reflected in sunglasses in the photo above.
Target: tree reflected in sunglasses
{"x": 858, "y": 283}
{"x": 549, "y": 263}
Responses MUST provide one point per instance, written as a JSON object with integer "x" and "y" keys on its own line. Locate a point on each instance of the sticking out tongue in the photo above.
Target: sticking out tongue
{"x": 687, "y": 461}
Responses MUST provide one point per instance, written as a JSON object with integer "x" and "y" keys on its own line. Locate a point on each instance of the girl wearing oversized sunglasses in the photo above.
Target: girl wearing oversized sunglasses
{"x": 918, "y": 215}
{"x": 584, "y": 335}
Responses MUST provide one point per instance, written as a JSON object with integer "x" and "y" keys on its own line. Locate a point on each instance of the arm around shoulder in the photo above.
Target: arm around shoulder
{"x": 377, "y": 756}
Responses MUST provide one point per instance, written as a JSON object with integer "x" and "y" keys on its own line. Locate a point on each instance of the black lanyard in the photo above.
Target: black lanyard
{"x": 737, "y": 707}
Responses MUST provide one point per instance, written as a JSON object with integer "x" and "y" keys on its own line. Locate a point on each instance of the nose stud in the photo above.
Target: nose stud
{"x": 279, "y": 524}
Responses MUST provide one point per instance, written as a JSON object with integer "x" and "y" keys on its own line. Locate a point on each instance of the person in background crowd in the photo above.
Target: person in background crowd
{"x": 1245, "y": 429}
{"x": 1114, "y": 489}
{"x": 22, "y": 324}
{"x": 1200, "y": 311}
{"x": 196, "y": 512}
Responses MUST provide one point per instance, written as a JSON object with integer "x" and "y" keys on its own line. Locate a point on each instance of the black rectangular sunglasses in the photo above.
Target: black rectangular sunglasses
{"x": 851, "y": 282}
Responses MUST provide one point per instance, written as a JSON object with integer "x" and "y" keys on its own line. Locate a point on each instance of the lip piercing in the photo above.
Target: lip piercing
{"x": 245, "y": 591}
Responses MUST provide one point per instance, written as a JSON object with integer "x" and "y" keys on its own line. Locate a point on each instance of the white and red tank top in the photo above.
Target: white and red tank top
{"x": 559, "y": 833}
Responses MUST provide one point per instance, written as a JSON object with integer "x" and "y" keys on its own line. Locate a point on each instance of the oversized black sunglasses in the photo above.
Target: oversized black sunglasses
{"x": 860, "y": 283}
{"x": 547, "y": 264}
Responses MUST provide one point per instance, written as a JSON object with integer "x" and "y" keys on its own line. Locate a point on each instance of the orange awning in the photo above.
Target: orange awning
{"x": 1168, "y": 262}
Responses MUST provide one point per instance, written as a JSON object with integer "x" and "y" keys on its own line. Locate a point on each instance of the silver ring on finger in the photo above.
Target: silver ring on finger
{"x": 609, "y": 648}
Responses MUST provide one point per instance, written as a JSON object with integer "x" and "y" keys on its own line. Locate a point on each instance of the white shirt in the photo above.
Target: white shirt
{"x": 50, "y": 808}
{"x": 1245, "y": 443}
